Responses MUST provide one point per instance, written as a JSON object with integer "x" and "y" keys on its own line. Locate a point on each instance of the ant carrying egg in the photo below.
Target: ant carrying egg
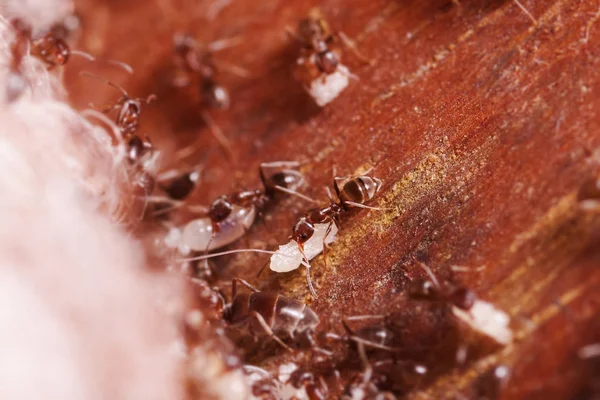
{"x": 319, "y": 66}
{"x": 229, "y": 217}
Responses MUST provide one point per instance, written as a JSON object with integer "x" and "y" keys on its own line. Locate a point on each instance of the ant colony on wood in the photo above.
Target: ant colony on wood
{"x": 375, "y": 354}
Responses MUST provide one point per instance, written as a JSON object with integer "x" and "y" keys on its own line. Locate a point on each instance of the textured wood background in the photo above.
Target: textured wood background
{"x": 481, "y": 123}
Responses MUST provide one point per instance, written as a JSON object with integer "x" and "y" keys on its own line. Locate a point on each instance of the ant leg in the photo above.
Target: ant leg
{"x": 263, "y": 268}
{"x": 208, "y": 247}
{"x": 367, "y": 365}
{"x": 350, "y": 44}
{"x": 327, "y": 232}
{"x": 294, "y": 193}
{"x": 358, "y": 205}
{"x": 268, "y": 330}
{"x": 365, "y": 342}
{"x": 234, "y": 283}
{"x": 429, "y": 272}
{"x": 218, "y": 134}
{"x": 222, "y": 44}
{"x": 307, "y": 266}
{"x": 363, "y": 317}
{"x": 233, "y": 69}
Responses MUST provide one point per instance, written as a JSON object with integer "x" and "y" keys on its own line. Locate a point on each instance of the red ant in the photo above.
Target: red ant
{"x": 230, "y": 216}
{"x": 321, "y": 56}
{"x": 51, "y": 48}
{"x": 129, "y": 109}
{"x": 270, "y": 313}
{"x": 194, "y": 62}
{"x": 354, "y": 192}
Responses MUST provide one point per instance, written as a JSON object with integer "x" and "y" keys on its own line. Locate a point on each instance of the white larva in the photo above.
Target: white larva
{"x": 288, "y": 257}
{"x": 486, "y": 320}
{"x": 328, "y": 87}
{"x": 197, "y": 234}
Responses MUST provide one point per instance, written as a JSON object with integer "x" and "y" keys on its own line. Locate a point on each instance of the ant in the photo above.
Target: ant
{"x": 127, "y": 120}
{"x": 269, "y": 313}
{"x": 51, "y": 48}
{"x": 321, "y": 56}
{"x": 129, "y": 110}
{"x": 230, "y": 216}
{"x": 194, "y": 62}
{"x": 354, "y": 192}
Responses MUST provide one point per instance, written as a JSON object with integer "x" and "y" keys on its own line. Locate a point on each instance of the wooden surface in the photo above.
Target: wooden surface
{"x": 481, "y": 123}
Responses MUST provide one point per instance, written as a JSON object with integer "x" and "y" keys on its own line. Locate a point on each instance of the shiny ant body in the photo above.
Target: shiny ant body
{"x": 321, "y": 50}
{"x": 354, "y": 192}
{"x": 269, "y": 313}
{"x": 230, "y": 216}
{"x": 195, "y": 62}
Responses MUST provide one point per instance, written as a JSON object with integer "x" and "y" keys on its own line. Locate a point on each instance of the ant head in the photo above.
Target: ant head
{"x": 220, "y": 209}
{"x": 302, "y": 231}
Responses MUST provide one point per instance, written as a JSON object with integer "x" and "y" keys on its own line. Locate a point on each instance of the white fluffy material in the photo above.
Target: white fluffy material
{"x": 41, "y": 14}
{"x": 79, "y": 311}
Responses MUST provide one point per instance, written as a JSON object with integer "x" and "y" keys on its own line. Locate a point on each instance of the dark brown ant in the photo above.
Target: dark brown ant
{"x": 129, "y": 110}
{"x": 286, "y": 181}
{"x": 354, "y": 192}
{"x": 196, "y": 64}
{"x": 181, "y": 187}
{"x": 431, "y": 290}
{"x": 51, "y": 48}
{"x": 270, "y": 313}
{"x": 321, "y": 52}
{"x": 193, "y": 61}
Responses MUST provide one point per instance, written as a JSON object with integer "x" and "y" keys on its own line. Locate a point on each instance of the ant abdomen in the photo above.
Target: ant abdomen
{"x": 360, "y": 189}
{"x": 198, "y": 234}
{"x": 214, "y": 95}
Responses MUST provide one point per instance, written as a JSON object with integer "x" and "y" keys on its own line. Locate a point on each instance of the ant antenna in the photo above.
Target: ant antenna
{"x": 109, "y": 83}
{"x": 221, "y": 44}
{"x": 83, "y": 54}
{"x": 429, "y": 272}
{"x": 126, "y": 67}
{"x": 224, "y": 253}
